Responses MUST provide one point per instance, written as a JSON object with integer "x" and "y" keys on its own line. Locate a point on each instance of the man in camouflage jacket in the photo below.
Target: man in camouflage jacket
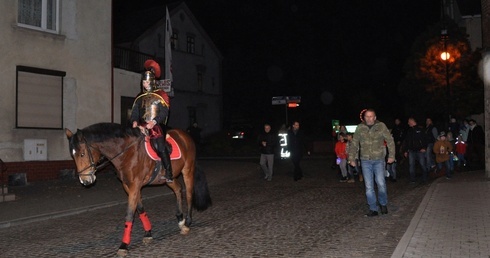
{"x": 369, "y": 141}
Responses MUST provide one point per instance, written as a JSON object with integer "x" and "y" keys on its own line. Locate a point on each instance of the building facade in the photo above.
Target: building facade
{"x": 57, "y": 71}
{"x": 56, "y": 74}
{"x": 196, "y": 68}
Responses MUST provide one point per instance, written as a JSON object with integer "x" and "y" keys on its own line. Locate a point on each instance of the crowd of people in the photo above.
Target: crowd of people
{"x": 372, "y": 153}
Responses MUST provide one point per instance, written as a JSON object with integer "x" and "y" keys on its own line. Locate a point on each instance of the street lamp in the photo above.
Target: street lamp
{"x": 445, "y": 56}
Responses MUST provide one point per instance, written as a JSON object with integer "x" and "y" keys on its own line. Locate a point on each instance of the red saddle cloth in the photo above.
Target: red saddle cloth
{"x": 176, "y": 153}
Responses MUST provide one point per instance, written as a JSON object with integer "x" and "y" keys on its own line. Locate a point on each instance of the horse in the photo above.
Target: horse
{"x": 125, "y": 148}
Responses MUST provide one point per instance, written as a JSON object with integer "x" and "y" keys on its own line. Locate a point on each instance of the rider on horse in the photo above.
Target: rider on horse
{"x": 150, "y": 111}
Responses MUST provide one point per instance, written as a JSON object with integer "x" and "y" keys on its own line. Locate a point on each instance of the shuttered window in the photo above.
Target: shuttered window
{"x": 39, "y": 98}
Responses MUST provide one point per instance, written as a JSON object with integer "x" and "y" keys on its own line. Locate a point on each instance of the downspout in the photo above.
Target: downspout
{"x": 112, "y": 63}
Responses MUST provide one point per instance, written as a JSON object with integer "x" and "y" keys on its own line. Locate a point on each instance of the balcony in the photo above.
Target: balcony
{"x": 129, "y": 59}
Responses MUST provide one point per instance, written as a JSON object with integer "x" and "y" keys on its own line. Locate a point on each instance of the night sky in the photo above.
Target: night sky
{"x": 339, "y": 56}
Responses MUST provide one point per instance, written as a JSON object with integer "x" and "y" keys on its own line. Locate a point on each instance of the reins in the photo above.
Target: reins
{"x": 107, "y": 161}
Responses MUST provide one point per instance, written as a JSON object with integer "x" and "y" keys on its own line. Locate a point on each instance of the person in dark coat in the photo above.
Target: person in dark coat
{"x": 195, "y": 132}
{"x": 296, "y": 146}
{"x": 267, "y": 144}
{"x": 476, "y": 145}
{"x": 415, "y": 147}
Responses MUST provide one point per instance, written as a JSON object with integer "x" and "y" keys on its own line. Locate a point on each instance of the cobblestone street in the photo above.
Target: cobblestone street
{"x": 315, "y": 217}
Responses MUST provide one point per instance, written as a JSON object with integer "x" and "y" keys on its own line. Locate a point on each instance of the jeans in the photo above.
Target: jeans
{"x": 374, "y": 170}
{"x": 343, "y": 167}
{"x": 430, "y": 156}
{"x": 449, "y": 168}
{"x": 461, "y": 160}
{"x": 267, "y": 164}
{"x": 421, "y": 157}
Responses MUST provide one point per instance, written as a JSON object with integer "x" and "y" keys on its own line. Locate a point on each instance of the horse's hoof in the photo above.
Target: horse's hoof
{"x": 184, "y": 230}
{"x": 147, "y": 240}
{"x": 122, "y": 252}
{"x": 182, "y": 223}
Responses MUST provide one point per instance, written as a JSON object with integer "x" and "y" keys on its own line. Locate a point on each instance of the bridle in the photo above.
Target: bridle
{"x": 99, "y": 164}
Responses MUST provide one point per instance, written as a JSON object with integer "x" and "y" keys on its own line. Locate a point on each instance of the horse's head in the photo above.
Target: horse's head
{"x": 85, "y": 156}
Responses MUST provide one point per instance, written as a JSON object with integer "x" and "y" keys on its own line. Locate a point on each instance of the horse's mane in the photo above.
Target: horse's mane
{"x": 104, "y": 131}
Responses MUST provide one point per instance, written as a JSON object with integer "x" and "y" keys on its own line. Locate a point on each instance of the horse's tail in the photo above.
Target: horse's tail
{"x": 201, "y": 199}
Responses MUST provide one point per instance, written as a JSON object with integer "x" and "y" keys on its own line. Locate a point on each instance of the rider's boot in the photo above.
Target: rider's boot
{"x": 165, "y": 157}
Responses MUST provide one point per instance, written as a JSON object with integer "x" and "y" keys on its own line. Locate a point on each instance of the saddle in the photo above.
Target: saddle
{"x": 175, "y": 153}
{"x": 174, "y": 149}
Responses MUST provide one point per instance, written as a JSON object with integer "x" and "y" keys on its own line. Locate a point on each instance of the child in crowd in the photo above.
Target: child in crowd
{"x": 340, "y": 151}
{"x": 460, "y": 151}
{"x": 350, "y": 169}
{"x": 442, "y": 149}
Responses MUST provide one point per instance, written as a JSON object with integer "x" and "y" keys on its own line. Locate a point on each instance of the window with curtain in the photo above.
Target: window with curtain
{"x": 191, "y": 48}
{"x": 39, "y": 15}
{"x": 39, "y": 98}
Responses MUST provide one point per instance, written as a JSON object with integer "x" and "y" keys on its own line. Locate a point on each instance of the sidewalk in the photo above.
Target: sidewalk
{"x": 453, "y": 220}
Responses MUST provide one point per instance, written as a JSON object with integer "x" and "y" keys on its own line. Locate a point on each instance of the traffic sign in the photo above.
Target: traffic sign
{"x": 280, "y": 100}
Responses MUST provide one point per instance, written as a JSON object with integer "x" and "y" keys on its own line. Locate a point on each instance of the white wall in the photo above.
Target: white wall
{"x": 82, "y": 50}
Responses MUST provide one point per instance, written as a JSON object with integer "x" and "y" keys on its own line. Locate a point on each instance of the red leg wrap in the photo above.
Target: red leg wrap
{"x": 127, "y": 232}
{"x": 146, "y": 222}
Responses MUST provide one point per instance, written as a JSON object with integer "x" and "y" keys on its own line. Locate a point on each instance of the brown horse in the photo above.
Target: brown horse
{"x": 124, "y": 147}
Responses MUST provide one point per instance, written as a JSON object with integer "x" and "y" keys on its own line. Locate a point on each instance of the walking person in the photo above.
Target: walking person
{"x": 476, "y": 146}
{"x": 442, "y": 150}
{"x": 460, "y": 150}
{"x": 296, "y": 146}
{"x": 352, "y": 171}
{"x": 195, "y": 132}
{"x": 267, "y": 145}
{"x": 398, "y": 131}
{"x": 340, "y": 151}
{"x": 432, "y": 133}
{"x": 414, "y": 147}
{"x": 369, "y": 143}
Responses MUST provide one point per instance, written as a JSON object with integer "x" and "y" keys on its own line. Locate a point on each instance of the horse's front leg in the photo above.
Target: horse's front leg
{"x": 134, "y": 197}
{"x": 147, "y": 238}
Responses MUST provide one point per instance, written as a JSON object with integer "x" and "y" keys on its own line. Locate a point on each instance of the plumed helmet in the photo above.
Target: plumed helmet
{"x": 151, "y": 73}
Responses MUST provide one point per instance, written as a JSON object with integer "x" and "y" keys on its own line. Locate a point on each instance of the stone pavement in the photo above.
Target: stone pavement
{"x": 452, "y": 220}
{"x": 38, "y": 201}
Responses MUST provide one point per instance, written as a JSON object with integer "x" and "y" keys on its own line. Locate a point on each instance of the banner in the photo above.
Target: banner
{"x": 168, "y": 47}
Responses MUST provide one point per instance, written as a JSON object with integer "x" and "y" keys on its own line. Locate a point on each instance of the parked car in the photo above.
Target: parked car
{"x": 241, "y": 132}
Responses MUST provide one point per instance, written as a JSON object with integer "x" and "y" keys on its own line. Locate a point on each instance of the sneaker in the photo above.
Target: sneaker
{"x": 384, "y": 209}
{"x": 371, "y": 214}
{"x": 351, "y": 180}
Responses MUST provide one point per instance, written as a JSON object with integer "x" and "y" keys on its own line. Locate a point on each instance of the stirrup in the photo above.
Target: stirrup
{"x": 167, "y": 177}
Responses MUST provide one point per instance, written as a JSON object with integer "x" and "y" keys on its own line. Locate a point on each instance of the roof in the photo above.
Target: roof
{"x": 131, "y": 27}
{"x": 129, "y": 24}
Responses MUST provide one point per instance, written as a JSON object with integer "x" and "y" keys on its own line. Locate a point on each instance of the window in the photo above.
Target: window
{"x": 199, "y": 81}
{"x": 174, "y": 40}
{"x": 191, "y": 48}
{"x": 39, "y": 98}
{"x": 39, "y": 15}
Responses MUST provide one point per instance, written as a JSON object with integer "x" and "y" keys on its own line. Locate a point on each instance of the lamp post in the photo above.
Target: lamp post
{"x": 445, "y": 56}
